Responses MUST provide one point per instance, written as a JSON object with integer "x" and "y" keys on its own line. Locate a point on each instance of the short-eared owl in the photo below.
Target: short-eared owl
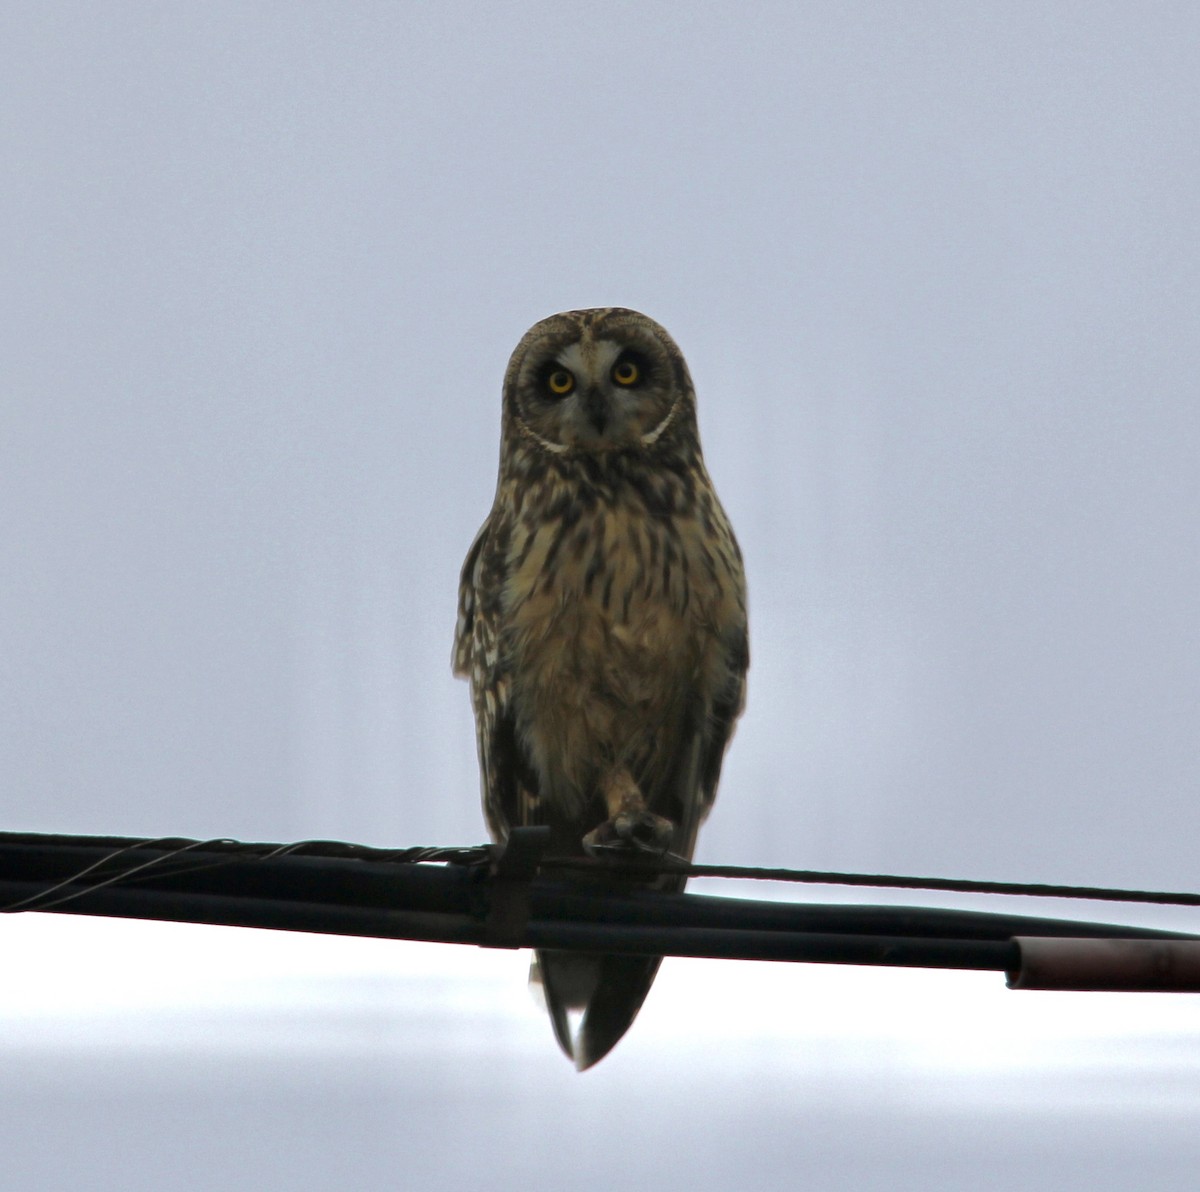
{"x": 602, "y": 623}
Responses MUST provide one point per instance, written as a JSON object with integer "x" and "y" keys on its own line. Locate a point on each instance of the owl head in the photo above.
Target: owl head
{"x": 589, "y": 382}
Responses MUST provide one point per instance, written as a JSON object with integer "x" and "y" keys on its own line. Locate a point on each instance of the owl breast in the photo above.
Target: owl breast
{"x": 614, "y": 647}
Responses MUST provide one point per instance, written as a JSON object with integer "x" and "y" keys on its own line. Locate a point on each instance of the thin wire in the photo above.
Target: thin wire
{"x": 882, "y": 880}
{"x": 236, "y": 853}
{"x": 42, "y": 899}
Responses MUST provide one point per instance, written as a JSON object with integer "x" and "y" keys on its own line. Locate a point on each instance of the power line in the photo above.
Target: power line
{"x": 223, "y": 850}
{"x": 517, "y": 898}
{"x": 899, "y": 882}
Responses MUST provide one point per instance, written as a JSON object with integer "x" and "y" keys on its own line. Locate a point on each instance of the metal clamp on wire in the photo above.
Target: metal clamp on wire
{"x": 514, "y": 865}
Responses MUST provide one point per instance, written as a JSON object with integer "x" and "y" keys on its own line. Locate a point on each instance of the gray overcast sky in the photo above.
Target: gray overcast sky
{"x": 934, "y": 268}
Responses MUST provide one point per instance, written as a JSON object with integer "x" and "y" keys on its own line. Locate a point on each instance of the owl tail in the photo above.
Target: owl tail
{"x": 609, "y": 990}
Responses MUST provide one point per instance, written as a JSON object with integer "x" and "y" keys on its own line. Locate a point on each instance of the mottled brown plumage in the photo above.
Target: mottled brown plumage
{"x": 602, "y": 623}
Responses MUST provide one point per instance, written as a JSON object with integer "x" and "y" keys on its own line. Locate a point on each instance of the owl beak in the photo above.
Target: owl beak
{"x": 596, "y": 407}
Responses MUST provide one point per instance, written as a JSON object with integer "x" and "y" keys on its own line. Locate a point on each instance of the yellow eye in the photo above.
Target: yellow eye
{"x": 560, "y": 382}
{"x": 625, "y": 372}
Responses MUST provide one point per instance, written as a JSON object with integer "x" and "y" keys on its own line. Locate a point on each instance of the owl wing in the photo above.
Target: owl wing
{"x": 468, "y": 586}
{"x": 509, "y": 782}
{"x": 727, "y": 706}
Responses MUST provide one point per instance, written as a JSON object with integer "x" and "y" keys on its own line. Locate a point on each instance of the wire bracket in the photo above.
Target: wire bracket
{"x": 515, "y": 864}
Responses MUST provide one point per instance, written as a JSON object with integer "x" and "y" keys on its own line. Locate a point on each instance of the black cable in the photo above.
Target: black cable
{"x": 348, "y": 890}
{"x": 220, "y": 852}
{"x": 877, "y": 880}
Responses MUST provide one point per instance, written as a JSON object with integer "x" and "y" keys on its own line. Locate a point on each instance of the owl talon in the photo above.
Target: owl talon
{"x": 638, "y": 832}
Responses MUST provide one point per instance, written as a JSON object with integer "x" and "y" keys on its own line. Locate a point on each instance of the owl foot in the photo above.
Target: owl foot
{"x": 630, "y": 832}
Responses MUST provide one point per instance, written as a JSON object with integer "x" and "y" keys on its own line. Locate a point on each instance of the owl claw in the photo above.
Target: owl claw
{"x": 630, "y": 831}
